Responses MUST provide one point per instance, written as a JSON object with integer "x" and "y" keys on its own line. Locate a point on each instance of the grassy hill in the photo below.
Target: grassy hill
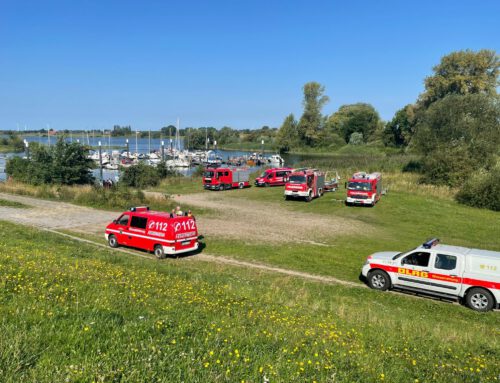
{"x": 76, "y": 313}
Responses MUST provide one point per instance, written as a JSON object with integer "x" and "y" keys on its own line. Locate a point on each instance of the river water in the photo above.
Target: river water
{"x": 139, "y": 145}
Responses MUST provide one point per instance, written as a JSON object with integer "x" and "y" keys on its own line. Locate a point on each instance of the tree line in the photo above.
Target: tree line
{"x": 454, "y": 125}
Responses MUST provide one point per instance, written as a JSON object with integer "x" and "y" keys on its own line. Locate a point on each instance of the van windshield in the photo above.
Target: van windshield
{"x": 263, "y": 175}
{"x": 297, "y": 179}
{"x": 208, "y": 174}
{"x": 365, "y": 186}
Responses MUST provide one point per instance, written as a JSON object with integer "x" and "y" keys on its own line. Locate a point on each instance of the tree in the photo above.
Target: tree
{"x": 312, "y": 122}
{"x": 121, "y": 131}
{"x": 70, "y": 164}
{"x": 64, "y": 164}
{"x": 168, "y": 131}
{"x": 462, "y": 72}
{"x": 288, "y": 135}
{"x": 399, "y": 131}
{"x": 359, "y": 118}
{"x": 458, "y": 135}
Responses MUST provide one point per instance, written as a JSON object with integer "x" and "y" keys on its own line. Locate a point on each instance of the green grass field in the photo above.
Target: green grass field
{"x": 76, "y": 313}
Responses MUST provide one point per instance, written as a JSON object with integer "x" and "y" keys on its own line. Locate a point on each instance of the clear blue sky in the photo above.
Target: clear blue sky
{"x": 93, "y": 64}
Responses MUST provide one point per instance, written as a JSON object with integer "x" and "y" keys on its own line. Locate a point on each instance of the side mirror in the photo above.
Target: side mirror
{"x": 115, "y": 221}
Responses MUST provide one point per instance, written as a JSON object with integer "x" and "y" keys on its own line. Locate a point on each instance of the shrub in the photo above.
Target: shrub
{"x": 356, "y": 138}
{"x": 482, "y": 190}
{"x": 140, "y": 176}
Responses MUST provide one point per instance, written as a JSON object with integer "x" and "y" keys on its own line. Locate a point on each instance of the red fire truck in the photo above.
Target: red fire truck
{"x": 273, "y": 177}
{"x": 364, "y": 189}
{"x": 226, "y": 178}
{"x": 305, "y": 183}
{"x": 153, "y": 231}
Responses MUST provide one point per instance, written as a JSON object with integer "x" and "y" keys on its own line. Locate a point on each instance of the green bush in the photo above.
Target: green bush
{"x": 482, "y": 190}
{"x": 63, "y": 164}
{"x": 141, "y": 176}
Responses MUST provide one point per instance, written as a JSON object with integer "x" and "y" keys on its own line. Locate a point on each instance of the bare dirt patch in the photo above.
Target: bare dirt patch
{"x": 256, "y": 221}
{"x": 55, "y": 214}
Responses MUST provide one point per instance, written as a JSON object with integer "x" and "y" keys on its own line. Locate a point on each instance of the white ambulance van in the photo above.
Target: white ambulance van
{"x": 471, "y": 276}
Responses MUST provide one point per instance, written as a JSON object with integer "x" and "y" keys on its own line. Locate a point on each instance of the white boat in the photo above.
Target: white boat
{"x": 275, "y": 161}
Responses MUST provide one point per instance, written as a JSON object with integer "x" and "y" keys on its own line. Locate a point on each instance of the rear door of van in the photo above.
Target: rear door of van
{"x": 184, "y": 231}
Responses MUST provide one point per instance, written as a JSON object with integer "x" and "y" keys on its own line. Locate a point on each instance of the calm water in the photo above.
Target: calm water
{"x": 141, "y": 145}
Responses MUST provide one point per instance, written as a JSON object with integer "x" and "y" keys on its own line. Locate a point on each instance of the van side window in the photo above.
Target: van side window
{"x": 226, "y": 173}
{"x": 123, "y": 220}
{"x": 139, "y": 222}
{"x": 445, "y": 262}
{"x": 220, "y": 174}
{"x": 419, "y": 258}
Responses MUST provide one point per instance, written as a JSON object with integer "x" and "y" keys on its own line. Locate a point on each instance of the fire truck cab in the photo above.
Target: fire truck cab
{"x": 153, "y": 231}
{"x": 469, "y": 275}
{"x": 305, "y": 183}
{"x": 364, "y": 189}
{"x": 273, "y": 177}
{"x": 226, "y": 178}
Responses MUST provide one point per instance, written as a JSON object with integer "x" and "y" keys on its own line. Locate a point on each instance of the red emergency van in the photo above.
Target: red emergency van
{"x": 364, "y": 189}
{"x": 153, "y": 231}
{"x": 226, "y": 178}
{"x": 273, "y": 177}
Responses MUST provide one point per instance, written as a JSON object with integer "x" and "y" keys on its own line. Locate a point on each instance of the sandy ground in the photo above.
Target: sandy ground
{"x": 256, "y": 221}
{"x": 55, "y": 215}
{"x": 236, "y": 218}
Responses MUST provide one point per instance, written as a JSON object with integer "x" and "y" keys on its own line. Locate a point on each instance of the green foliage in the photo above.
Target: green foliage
{"x": 168, "y": 131}
{"x": 359, "y": 118}
{"x": 458, "y": 135}
{"x": 70, "y": 165}
{"x": 312, "y": 122}
{"x": 141, "y": 176}
{"x": 356, "y": 138}
{"x": 64, "y": 163}
{"x": 12, "y": 143}
{"x": 482, "y": 190}
{"x": 399, "y": 131}
{"x": 462, "y": 72}
{"x": 288, "y": 135}
{"x": 121, "y": 131}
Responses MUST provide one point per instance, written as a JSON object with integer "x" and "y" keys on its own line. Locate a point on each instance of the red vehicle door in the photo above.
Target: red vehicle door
{"x": 137, "y": 230}
{"x": 120, "y": 231}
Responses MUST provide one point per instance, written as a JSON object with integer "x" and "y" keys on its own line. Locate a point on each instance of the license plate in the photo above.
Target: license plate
{"x": 185, "y": 242}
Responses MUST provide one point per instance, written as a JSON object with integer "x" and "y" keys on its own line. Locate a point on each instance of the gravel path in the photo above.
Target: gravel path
{"x": 257, "y": 221}
{"x": 55, "y": 215}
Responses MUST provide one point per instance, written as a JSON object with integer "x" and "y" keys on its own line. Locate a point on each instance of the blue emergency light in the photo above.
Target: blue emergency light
{"x": 430, "y": 243}
{"x": 140, "y": 208}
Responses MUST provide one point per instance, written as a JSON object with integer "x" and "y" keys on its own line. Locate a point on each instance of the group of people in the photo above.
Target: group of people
{"x": 177, "y": 212}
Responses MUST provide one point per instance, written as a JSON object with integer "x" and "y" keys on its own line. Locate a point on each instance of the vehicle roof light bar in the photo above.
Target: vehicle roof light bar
{"x": 431, "y": 242}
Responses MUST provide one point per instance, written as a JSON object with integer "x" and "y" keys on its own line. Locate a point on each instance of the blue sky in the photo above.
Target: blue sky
{"x": 93, "y": 64}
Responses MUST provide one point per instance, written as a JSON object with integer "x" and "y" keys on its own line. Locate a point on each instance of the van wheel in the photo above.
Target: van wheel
{"x": 379, "y": 280}
{"x": 479, "y": 299}
{"x": 159, "y": 253}
{"x": 112, "y": 241}
{"x": 240, "y": 186}
{"x": 287, "y": 198}
{"x": 266, "y": 184}
{"x": 221, "y": 187}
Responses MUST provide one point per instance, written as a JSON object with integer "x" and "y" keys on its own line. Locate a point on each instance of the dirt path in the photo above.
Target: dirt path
{"x": 52, "y": 216}
{"x": 255, "y": 221}
{"x": 55, "y": 215}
